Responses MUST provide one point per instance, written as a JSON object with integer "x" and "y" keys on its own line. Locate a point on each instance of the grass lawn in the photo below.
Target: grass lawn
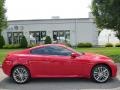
{"x": 114, "y": 53}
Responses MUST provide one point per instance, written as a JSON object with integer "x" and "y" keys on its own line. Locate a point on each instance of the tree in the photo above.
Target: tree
{"x": 48, "y": 40}
{"x": 3, "y": 22}
{"x": 107, "y": 14}
{"x": 3, "y": 19}
{"x": 2, "y": 42}
{"x": 23, "y": 42}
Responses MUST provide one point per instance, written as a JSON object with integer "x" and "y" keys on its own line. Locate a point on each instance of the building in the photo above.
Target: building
{"x": 72, "y": 30}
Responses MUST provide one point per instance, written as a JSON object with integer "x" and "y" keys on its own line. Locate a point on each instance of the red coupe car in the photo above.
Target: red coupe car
{"x": 57, "y": 61}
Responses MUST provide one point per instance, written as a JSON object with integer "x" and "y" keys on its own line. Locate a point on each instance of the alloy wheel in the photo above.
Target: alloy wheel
{"x": 101, "y": 73}
{"x": 20, "y": 74}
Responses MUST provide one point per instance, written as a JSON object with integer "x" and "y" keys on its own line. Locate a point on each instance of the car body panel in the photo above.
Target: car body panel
{"x": 55, "y": 65}
{"x": 45, "y": 66}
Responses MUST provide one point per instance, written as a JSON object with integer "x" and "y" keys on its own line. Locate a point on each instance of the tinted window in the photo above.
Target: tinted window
{"x": 41, "y": 51}
{"x": 52, "y": 50}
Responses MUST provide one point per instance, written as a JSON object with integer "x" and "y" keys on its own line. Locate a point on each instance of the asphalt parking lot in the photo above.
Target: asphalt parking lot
{"x": 60, "y": 84}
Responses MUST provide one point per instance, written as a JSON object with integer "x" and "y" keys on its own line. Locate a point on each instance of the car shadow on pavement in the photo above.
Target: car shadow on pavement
{"x": 59, "y": 84}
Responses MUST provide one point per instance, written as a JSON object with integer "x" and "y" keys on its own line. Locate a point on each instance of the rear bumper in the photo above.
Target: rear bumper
{"x": 6, "y": 67}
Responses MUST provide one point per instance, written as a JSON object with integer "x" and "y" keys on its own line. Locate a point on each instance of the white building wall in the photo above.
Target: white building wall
{"x": 81, "y": 30}
{"x": 87, "y": 32}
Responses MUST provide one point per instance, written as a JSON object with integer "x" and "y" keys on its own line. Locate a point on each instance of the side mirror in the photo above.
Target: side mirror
{"x": 74, "y": 55}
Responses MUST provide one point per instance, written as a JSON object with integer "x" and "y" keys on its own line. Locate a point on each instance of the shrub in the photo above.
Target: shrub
{"x": 32, "y": 45}
{"x": 16, "y": 46}
{"x": 6, "y": 46}
{"x": 117, "y": 45}
{"x": 109, "y": 45}
{"x": 48, "y": 40}
{"x": 23, "y": 42}
{"x": 2, "y": 41}
{"x": 81, "y": 45}
{"x": 11, "y": 46}
{"x": 88, "y": 45}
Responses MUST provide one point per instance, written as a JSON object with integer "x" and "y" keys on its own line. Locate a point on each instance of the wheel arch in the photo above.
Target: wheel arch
{"x": 17, "y": 66}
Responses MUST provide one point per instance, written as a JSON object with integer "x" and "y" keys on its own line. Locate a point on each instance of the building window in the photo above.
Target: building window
{"x": 37, "y": 36}
{"x": 61, "y": 36}
{"x": 14, "y": 37}
{"x": 9, "y": 34}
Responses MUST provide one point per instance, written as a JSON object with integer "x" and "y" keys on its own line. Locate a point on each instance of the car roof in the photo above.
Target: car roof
{"x": 48, "y": 45}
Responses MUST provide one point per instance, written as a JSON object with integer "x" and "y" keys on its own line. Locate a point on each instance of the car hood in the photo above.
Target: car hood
{"x": 93, "y": 56}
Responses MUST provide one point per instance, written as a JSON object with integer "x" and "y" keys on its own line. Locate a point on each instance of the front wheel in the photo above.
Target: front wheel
{"x": 100, "y": 73}
{"x": 20, "y": 74}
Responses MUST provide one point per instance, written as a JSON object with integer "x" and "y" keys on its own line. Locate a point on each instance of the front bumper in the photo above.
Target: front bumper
{"x": 114, "y": 70}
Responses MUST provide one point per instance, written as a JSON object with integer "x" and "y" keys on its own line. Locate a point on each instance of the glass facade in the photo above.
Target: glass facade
{"x": 61, "y": 36}
{"x": 14, "y": 37}
{"x": 37, "y": 36}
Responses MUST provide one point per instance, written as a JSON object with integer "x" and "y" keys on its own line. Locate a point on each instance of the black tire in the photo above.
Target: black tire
{"x": 100, "y": 77}
{"x": 20, "y": 75}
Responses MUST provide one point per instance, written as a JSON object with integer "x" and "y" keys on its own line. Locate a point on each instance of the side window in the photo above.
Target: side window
{"x": 52, "y": 50}
{"x": 41, "y": 51}
{"x": 58, "y": 50}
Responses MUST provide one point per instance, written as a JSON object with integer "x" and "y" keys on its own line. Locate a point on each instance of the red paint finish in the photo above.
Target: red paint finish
{"x": 75, "y": 65}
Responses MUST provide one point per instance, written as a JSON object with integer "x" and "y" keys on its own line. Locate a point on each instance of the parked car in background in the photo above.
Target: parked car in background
{"x": 57, "y": 61}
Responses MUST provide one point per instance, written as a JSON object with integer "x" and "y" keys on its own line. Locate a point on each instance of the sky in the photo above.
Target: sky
{"x": 41, "y": 9}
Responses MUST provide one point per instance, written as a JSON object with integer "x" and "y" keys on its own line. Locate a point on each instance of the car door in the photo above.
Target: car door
{"x": 62, "y": 63}
{"x": 39, "y": 62}
{"x": 65, "y": 66}
{"x": 53, "y": 61}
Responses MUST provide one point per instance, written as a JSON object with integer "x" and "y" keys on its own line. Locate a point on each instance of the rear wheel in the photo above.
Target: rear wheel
{"x": 20, "y": 74}
{"x": 101, "y": 73}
